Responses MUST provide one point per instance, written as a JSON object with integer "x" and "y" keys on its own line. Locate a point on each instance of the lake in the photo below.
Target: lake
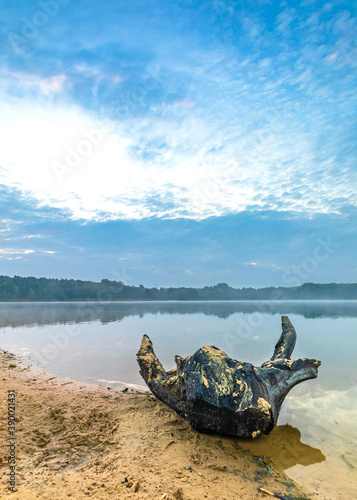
{"x": 315, "y": 441}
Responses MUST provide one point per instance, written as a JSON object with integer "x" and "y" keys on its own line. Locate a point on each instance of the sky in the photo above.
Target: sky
{"x": 180, "y": 143}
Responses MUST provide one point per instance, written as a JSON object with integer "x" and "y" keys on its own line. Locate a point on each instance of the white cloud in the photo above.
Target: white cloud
{"x": 11, "y": 251}
{"x": 14, "y": 254}
{"x": 19, "y": 253}
{"x": 176, "y": 165}
{"x": 53, "y": 85}
{"x": 336, "y": 406}
{"x": 29, "y": 81}
{"x": 24, "y": 237}
{"x": 265, "y": 265}
{"x": 6, "y": 225}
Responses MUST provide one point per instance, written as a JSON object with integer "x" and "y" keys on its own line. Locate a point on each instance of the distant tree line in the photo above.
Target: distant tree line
{"x": 48, "y": 289}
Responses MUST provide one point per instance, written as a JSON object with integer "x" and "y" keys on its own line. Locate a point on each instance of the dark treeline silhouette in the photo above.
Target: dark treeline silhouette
{"x": 49, "y": 289}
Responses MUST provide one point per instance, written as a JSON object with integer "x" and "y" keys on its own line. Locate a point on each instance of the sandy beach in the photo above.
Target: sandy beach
{"x": 76, "y": 440}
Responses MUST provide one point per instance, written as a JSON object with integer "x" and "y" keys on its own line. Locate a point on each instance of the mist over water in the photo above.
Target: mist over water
{"x": 49, "y": 313}
{"x": 96, "y": 342}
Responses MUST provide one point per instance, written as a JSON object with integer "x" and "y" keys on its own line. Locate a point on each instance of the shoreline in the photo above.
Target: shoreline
{"x": 87, "y": 440}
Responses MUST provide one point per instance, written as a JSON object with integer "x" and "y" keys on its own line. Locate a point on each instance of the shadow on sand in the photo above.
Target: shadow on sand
{"x": 284, "y": 447}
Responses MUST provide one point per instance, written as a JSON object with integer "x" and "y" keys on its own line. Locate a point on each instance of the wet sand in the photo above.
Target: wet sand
{"x": 330, "y": 471}
{"x": 80, "y": 441}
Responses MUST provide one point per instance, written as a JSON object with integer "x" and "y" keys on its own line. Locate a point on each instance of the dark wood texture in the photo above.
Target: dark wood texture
{"x": 218, "y": 394}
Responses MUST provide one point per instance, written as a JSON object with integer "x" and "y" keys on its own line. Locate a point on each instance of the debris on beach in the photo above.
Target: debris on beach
{"x": 218, "y": 394}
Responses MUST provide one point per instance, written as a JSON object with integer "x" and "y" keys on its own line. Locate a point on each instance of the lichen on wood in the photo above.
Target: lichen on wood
{"x": 218, "y": 394}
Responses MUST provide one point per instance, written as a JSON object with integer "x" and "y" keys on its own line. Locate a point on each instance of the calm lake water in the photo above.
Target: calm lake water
{"x": 315, "y": 441}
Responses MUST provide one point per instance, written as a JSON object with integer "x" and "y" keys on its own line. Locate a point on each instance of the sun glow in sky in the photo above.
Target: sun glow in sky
{"x": 179, "y": 143}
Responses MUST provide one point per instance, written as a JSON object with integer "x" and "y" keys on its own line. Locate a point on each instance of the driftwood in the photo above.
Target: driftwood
{"x": 218, "y": 394}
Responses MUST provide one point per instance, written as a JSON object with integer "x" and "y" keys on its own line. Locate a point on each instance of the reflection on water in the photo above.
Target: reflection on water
{"x": 284, "y": 447}
{"x": 51, "y": 313}
{"x": 316, "y": 440}
{"x": 327, "y": 417}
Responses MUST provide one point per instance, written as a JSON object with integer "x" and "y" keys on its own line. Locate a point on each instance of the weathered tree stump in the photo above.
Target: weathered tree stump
{"x": 218, "y": 394}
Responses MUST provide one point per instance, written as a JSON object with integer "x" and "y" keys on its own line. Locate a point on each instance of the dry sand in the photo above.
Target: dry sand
{"x": 78, "y": 441}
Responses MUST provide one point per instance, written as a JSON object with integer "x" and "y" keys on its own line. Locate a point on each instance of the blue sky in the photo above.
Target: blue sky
{"x": 179, "y": 143}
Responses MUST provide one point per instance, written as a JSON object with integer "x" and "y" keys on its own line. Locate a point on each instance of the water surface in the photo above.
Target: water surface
{"x": 315, "y": 440}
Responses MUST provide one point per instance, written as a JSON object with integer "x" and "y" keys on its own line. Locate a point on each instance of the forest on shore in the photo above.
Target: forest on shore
{"x": 18, "y": 288}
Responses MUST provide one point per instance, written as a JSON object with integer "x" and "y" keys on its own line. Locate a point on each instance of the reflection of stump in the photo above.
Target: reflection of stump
{"x": 218, "y": 394}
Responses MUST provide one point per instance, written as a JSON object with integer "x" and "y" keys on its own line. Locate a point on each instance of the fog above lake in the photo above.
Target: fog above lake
{"x": 50, "y": 313}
